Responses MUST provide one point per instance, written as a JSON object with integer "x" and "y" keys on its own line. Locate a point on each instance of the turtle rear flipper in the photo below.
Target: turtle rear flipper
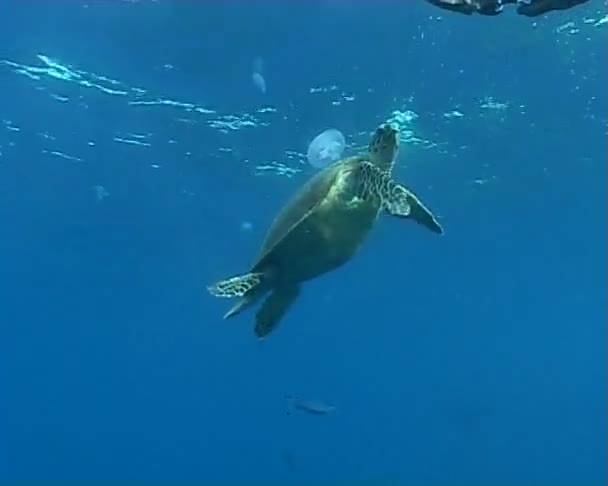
{"x": 245, "y": 302}
{"x": 237, "y": 286}
{"x": 377, "y": 186}
{"x": 274, "y": 308}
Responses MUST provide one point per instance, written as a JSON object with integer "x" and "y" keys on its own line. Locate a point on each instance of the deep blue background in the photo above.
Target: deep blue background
{"x": 476, "y": 357}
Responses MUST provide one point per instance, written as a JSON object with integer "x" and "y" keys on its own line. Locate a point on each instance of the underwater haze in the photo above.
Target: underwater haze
{"x": 145, "y": 148}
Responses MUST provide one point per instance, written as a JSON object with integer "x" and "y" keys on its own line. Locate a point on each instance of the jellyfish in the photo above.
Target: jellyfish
{"x": 100, "y": 192}
{"x": 327, "y": 147}
{"x": 256, "y": 76}
{"x": 259, "y": 82}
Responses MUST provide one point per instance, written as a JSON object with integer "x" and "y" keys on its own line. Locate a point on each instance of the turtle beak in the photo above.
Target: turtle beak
{"x": 386, "y": 127}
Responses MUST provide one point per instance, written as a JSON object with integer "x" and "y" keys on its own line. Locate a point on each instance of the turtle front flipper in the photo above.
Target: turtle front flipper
{"x": 378, "y": 187}
{"x": 274, "y": 308}
{"x": 236, "y": 286}
{"x": 422, "y": 215}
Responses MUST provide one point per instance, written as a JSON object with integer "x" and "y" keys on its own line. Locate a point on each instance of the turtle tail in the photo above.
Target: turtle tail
{"x": 237, "y": 286}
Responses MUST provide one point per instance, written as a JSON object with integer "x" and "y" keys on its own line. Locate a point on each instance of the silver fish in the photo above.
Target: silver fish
{"x": 314, "y": 407}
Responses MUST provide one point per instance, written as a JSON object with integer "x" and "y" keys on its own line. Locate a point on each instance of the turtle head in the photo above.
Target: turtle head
{"x": 384, "y": 146}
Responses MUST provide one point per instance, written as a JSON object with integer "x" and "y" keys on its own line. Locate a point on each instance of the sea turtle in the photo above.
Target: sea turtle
{"x": 321, "y": 227}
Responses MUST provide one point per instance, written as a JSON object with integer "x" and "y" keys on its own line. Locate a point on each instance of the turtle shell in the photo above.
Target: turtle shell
{"x": 318, "y": 229}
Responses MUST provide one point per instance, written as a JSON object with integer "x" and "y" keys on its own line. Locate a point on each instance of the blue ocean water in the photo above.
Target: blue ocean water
{"x": 139, "y": 163}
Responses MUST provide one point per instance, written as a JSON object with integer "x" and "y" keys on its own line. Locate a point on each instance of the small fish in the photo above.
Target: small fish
{"x": 289, "y": 461}
{"x": 313, "y": 407}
